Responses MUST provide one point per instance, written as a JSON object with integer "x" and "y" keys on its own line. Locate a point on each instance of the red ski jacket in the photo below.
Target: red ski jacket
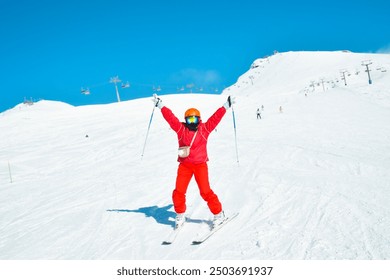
{"x": 198, "y": 153}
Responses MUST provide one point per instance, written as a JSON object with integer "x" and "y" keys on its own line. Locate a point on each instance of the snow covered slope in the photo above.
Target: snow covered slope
{"x": 312, "y": 181}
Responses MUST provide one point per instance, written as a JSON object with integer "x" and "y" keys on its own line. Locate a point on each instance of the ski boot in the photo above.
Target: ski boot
{"x": 179, "y": 220}
{"x": 218, "y": 219}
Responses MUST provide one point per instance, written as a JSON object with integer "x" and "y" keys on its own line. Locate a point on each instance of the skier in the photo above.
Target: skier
{"x": 193, "y": 134}
{"x": 258, "y": 114}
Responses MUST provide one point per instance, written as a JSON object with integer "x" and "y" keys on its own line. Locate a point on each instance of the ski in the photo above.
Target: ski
{"x": 214, "y": 230}
{"x": 172, "y": 236}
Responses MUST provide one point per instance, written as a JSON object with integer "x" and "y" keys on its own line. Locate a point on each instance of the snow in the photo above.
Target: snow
{"x": 312, "y": 182}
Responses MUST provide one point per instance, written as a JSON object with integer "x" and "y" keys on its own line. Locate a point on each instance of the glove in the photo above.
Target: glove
{"x": 230, "y": 101}
{"x": 157, "y": 101}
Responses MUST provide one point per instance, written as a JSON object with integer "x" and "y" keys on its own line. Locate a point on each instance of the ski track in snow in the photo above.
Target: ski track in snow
{"x": 311, "y": 182}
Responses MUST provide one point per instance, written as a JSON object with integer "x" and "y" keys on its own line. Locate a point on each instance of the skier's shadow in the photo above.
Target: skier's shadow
{"x": 162, "y": 215}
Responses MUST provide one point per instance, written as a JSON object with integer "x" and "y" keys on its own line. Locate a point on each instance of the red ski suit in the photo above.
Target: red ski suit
{"x": 196, "y": 163}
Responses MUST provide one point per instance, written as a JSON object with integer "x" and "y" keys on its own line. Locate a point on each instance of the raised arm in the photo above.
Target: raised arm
{"x": 171, "y": 119}
{"x": 214, "y": 120}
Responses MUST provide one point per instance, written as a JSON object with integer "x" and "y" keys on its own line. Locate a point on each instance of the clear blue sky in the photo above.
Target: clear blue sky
{"x": 50, "y": 49}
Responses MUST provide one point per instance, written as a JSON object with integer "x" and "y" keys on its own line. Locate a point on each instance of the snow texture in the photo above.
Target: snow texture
{"x": 312, "y": 181}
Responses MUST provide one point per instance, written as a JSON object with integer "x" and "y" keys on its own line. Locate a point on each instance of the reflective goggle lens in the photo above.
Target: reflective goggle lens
{"x": 192, "y": 119}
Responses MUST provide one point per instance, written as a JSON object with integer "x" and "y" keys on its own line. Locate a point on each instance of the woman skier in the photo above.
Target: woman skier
{"x": 192, "y": 135}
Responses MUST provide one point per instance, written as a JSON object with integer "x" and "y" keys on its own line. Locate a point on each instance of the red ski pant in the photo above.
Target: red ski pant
{"x": 201, "y": 174}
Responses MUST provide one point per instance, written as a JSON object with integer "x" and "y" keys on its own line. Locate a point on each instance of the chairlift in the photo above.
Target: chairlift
{"x": 85, "y": 91}
{"x": 126, "y": 85}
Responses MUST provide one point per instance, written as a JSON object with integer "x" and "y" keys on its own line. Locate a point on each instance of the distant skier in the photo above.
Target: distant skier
{"x": 192, "y": 136}
{"x": 258, "y": 114}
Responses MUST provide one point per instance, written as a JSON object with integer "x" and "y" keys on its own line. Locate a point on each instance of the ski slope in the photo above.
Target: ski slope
{"x": 312, "y": 181}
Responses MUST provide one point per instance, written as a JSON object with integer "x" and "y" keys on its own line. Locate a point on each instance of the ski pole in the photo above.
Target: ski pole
{"x": 9, "y": 170}
{"x": 147, "y": 133}
{"x": 235, "y": 133}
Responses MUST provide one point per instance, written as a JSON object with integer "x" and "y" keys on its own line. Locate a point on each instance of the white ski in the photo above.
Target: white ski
{"x": 214, "y": 230}
{"x": 172, "y": 236}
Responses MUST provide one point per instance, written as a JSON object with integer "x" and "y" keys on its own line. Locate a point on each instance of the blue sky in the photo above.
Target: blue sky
{"x": 51, "y": 49}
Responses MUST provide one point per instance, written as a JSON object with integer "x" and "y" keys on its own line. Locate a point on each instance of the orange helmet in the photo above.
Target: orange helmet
{"x": 192, "y": 112}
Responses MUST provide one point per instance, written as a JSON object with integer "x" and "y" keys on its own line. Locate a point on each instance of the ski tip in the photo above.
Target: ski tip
{"x": 166, "y": 243}
{"x": 196, "y": 242}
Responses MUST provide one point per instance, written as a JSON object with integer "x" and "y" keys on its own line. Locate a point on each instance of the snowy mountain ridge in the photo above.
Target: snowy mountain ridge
{"x": 307, "y": 72}
{"x": 311, "y": 183}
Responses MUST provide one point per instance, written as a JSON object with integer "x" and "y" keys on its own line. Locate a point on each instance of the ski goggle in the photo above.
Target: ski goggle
{"x": 192, "y": 119}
